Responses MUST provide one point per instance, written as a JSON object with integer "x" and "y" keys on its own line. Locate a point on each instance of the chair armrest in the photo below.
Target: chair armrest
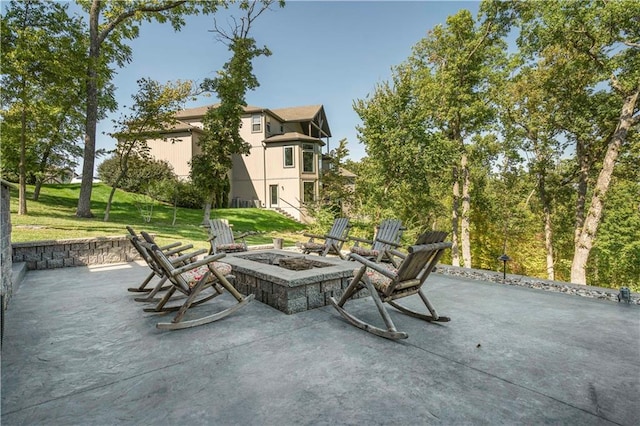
{"x": 391, "y": 243}
{"x": 197, "y": 264}
{"x": 362, "y": 240}
{"x": 375, "y": 266}
{"x": 329, "y": 237}
{"x": 170, "y": 246}
{"x": 178, "y": 250}
{"x": 398, "y": 253}
{"x": 187, "y": 256}
{"x": 244, "y": 234}
{"x": 312, "y": 235}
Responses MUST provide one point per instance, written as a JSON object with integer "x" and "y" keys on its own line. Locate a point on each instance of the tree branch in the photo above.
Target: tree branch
{"x": 123, "y": 16}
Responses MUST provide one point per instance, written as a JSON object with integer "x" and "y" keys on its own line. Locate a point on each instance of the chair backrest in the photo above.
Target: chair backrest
{"x": 430, "y": 237}
{"x": 136, "y": 241}
{"x": 221, "y": 230}
{"x": 339, "y": 231}
{"x": 389, "y": 230}
{"x": 416, "y": 267}
{"x": 163, "y": 262}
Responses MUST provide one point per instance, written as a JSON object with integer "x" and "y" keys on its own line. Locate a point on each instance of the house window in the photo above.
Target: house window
{"x": 308, "y": 157}
{"x": 256, "y": 123}
{"x": 273, "y": 195}
{"x": 268, "y": 127}
{"x": 288, "y": 156}
{"x": 281, "y": 128}
{"x": 308, "y": 191}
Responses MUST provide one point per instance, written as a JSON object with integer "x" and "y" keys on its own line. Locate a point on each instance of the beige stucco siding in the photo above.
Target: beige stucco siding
{"x": 177, "y": 150}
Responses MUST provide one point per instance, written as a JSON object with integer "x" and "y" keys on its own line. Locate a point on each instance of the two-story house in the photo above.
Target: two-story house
{"x": 283, "y": 168}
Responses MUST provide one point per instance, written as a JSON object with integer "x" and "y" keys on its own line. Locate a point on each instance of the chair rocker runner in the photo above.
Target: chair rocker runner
{"x": 333, "y": 241}
{"x": 192, "y": 280}
{"x": 171, "y": 250}
{"x": 386, "y": 284}
{"x": 222, "y": 239}
{"x": 387, "y": 237}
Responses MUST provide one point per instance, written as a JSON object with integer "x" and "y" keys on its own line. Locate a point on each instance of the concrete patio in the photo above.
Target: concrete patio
{"x": 78, "y": 350}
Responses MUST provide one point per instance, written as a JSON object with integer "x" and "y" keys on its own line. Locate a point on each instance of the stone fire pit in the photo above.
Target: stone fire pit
{"x": 288, "y": 281}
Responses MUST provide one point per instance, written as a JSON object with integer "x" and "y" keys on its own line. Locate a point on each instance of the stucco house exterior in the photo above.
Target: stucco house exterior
{"x": 283, "y": 167}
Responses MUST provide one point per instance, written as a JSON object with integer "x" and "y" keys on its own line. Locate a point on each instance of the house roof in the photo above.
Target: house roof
{"x": 181, "y": 126}
{"x": 305, "y": 114}
{"x": 299, "y": 114}
{"x": 202, "y": 110}
{"x": 346, "y": 173}
{"x": 293, "y": 136}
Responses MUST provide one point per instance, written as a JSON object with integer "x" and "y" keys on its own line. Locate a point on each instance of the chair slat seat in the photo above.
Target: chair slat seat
{"x": 193, "y": 276}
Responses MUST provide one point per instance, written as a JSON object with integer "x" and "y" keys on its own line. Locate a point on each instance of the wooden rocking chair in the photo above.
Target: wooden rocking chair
{"x": 222, "y": 238}
{"x": 387, "y": 237}
{"x": 387, "y": 285}
{"x": 192, "y": 280}
{"x": 171, "y": 250}
{"x": 333, "y": 241}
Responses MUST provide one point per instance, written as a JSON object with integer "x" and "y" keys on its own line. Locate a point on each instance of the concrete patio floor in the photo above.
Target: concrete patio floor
{"x": 78, "y": 350}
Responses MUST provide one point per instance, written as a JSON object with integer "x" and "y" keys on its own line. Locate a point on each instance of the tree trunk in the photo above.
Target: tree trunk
{"x": 541, "y": 176}
{"x": 22, "y": 168}
{"x": 42, "y": 168}
{"x": 84, "y": 200}
{"x": 466, "y": 208}
{"x": 583, "y": 176}
{"x": 108, "y": 208}
{"x": 455, "y": 257}
{"x": 587, "y": 235}
{"x": 548, "y": 243}
{"x": 207, "y": 209}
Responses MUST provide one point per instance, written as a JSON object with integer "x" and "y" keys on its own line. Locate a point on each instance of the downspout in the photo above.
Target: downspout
{"x": 264, "y": 171}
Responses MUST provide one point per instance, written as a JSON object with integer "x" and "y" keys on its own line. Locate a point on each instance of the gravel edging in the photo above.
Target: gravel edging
{"x": 537, "y": 283}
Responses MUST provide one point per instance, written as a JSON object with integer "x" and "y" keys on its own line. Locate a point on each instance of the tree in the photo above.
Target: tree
{"x": 221, "y": 124}
{"x": 404, "y": 156}
{"x": 336, "y": 189}
{"x": 592, "y": 48}
{"x": 152, "y": 114}
{"x": 527, "y": 115}
{"x": 109, "y": 24}
{"x": 457, "y": 66}
{"x": 42, "y": 83}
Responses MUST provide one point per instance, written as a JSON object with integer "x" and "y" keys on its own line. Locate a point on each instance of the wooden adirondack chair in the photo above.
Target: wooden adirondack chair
{"x": 193, "y": 280}
{"x": 171, "y": 250}
{"x": 222, "y": 238}
{"x": 386, "y": 284}
{"x": 387, "y": 237}
{"x": 333, "y": 241}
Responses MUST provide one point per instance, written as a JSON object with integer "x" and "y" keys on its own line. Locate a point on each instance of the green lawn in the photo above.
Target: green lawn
{"x": 53, "y": 217}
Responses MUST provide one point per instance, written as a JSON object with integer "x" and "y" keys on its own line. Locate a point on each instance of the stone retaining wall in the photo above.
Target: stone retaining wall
{"x": 538, "y": 283}
{"x": 5, "y": 245}
{"x": 74, "y": 252}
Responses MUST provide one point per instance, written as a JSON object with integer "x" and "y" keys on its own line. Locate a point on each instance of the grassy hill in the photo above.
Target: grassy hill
{"x": 53, "y": 217}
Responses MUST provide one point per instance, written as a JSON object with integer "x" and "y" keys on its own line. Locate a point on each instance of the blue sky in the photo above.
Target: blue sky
{"x": 329, "y": 53}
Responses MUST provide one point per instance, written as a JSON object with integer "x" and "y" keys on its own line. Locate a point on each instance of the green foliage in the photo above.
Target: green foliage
{"x": 141, "y": 173}
{"x": 43, "y": 80}
{"x": 337, "y": 189}
{"x": 178, "y": 192}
